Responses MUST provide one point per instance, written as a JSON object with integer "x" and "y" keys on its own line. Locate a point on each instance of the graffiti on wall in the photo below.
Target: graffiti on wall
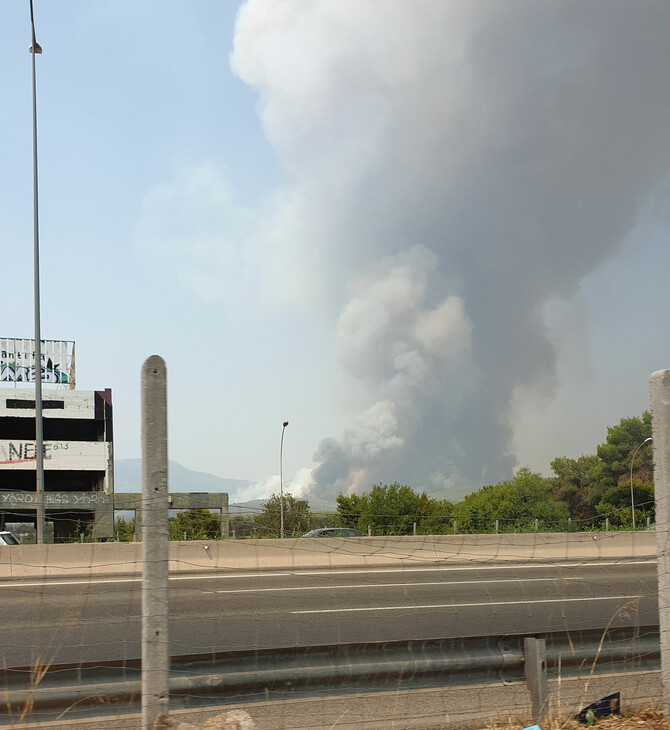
{"x": 20, "y": 452}
{"x": 65, "y": 499}
{"x": 17, "y": 361}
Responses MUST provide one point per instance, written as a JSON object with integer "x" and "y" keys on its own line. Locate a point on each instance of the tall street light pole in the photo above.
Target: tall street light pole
{"x": 632, "y": 498}
{"x": 39, "y": 434}
{"x": 281, "y": 480}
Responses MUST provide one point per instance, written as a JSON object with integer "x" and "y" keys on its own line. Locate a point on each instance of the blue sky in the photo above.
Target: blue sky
{"x": 434, "y": 240}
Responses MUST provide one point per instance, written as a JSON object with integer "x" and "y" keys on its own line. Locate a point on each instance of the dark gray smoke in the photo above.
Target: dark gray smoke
{"x": 454, "y": 166}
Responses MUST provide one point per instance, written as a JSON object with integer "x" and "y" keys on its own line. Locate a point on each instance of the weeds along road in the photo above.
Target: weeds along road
{"x": 70, "y": 620}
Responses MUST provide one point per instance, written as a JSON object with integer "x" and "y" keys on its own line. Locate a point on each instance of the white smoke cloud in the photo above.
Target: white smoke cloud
{"x": 452, "y": 167}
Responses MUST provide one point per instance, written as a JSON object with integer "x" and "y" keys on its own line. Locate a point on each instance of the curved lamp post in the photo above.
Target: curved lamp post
{"x": 281, "y": 480}
{"x": 39, "y": 434}
{"x": 632, "y": 498}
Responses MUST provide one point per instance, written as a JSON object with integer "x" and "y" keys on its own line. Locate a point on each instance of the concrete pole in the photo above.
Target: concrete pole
{"x": 155, "y": 649}
{"x": 659, "y": 385}
{"x": 535, "y": 655}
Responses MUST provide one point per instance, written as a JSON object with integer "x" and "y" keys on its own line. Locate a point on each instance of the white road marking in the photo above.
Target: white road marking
{"x": 396, "y": 585}
{"x": 50, "y": 581}
{"x": 464, "y": 605}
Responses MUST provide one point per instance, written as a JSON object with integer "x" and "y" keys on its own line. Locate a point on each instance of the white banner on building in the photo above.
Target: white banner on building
{"x": 63, "y": 455}
{"x": 17, "y": 361}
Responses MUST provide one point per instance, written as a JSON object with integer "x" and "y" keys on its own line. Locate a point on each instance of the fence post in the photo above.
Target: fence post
{"x": 369, "y": 531}
{"x": 607, "y": 524}
{"x": 155, "y": 649}
{"x": 414, "y": 529}
{"x": 569, "y": 524}
{"x": 659, "y": 386}
{"x": 454, "y": 527}
{"x": 535, "y": 656}
{"x": 497, "y": 525}
{"x": 537, "y": 522}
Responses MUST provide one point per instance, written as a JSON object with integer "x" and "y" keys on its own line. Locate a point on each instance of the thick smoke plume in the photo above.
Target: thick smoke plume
{"x": 453, "y": 166}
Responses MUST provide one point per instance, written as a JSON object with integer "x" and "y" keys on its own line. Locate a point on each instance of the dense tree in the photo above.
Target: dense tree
{"x": 194, "y": 524}
{"x": 124, "y": 530}
{"x": 516, "y": 503}
{"x": 575, "y": 484}
{"x": 617, "y": 452}
{"x": 297, "y": 517}
{"x": 350, "y": 509}
{"x": 392, "y": 510}
{"x": 598, "y": 486}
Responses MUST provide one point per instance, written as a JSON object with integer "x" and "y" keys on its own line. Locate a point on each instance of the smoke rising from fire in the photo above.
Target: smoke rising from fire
{"x": 451, "y": 168}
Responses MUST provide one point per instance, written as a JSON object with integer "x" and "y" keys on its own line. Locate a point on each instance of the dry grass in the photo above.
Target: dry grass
{"x": 626, "y": 721}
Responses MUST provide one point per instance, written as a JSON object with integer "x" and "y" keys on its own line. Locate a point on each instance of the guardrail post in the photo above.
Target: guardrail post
{"x": 535, "y": 658}
{"x": 659, "y": 385}
{"x": 155, "y": 650}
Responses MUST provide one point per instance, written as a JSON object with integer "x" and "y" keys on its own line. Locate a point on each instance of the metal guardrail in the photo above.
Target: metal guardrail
{"x": 110, "y": 688}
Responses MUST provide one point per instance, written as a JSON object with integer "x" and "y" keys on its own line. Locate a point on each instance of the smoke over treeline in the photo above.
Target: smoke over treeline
{"x": 452, "y": 166}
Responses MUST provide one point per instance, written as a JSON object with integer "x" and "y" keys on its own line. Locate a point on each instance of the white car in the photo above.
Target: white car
{"x": 6, "y": 538}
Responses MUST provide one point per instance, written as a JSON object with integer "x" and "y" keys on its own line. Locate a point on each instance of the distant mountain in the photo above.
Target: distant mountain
{"x": 128, "y": 478}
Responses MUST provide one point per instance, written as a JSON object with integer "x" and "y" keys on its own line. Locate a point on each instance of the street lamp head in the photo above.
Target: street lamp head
{"x": 647, "y": 440}
{"x": 35, "y": 47}
{"x": 285, "y": 424}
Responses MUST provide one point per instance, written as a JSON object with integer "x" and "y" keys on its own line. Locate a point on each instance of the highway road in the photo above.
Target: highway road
{"x": 73, "y": 620}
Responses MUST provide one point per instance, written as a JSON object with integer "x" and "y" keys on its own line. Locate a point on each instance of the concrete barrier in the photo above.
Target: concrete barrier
{"x": 77, "y": 559}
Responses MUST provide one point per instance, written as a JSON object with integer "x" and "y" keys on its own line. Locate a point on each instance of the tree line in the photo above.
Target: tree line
{"x": 591, "y": 492}
{"x": 583, "y": 494}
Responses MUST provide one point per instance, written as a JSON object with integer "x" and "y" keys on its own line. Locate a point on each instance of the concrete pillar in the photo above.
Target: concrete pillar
{"x": 155, "y": 647}
{"x": 225, "y": 523}
{"x": 535, "y": 656}
{"x": 660, "y": 414}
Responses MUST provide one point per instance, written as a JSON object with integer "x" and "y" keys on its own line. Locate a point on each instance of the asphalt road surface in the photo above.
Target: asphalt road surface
{"x": 76, "y": 621}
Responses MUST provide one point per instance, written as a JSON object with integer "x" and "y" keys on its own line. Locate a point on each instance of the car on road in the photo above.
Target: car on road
{"x": 335, "y": 532}
{"x": 6, "y": 538}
